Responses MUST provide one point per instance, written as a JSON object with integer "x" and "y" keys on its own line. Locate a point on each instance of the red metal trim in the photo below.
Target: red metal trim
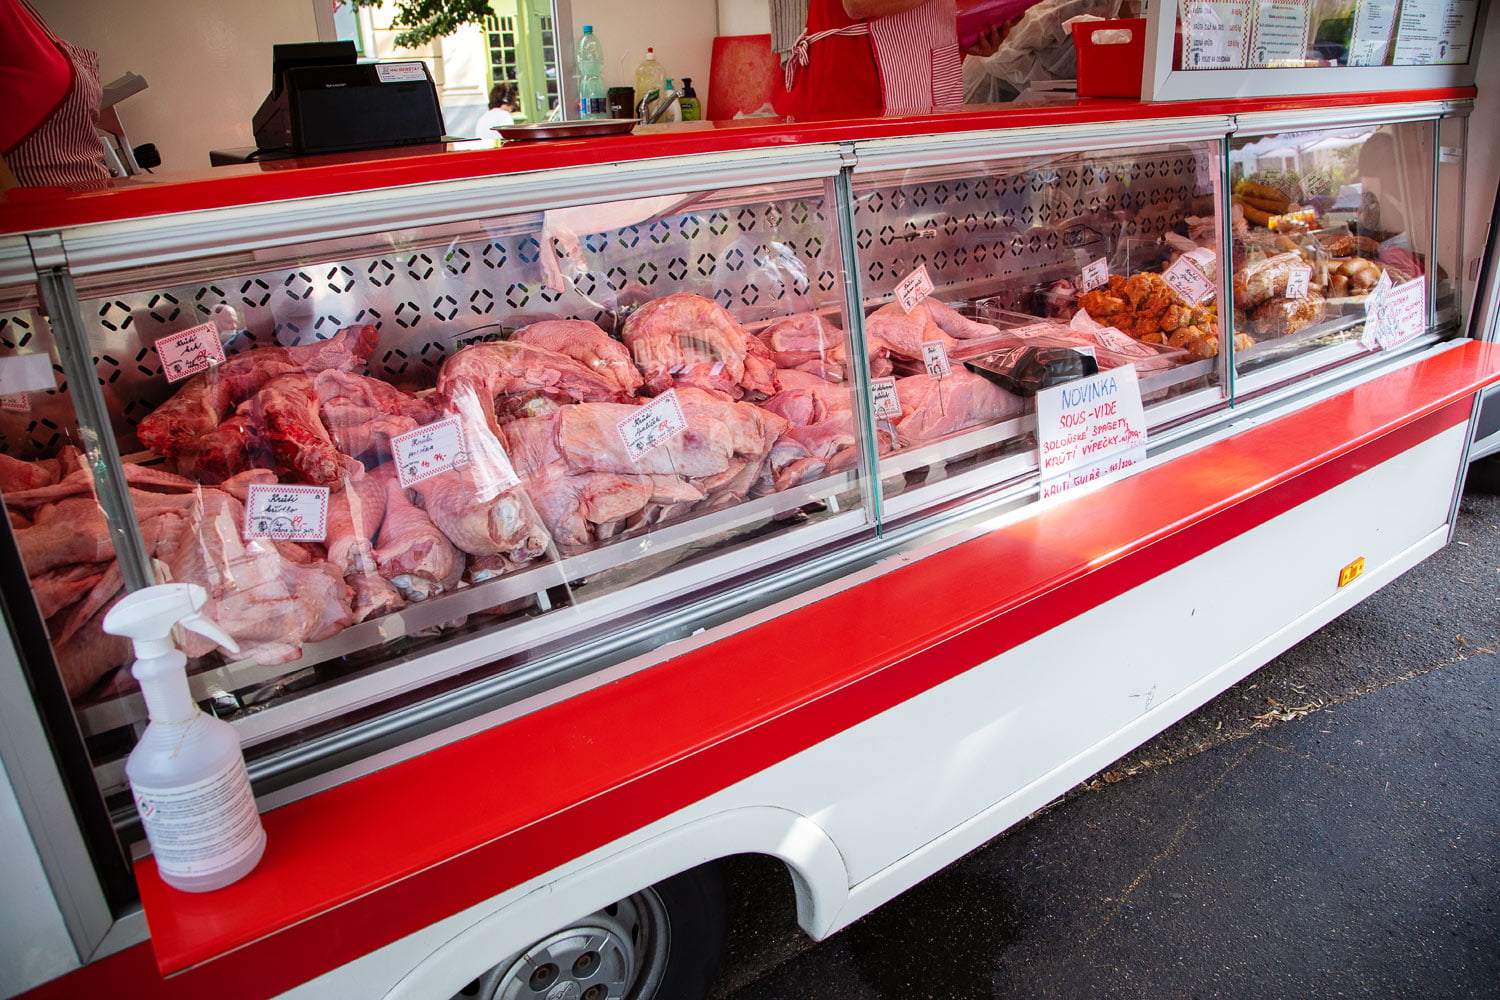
{"x": 347, "y": 872}
{"x": 29, "y": 210}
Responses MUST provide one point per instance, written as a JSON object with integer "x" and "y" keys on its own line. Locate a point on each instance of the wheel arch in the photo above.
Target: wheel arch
{"x": 511, "y": 921}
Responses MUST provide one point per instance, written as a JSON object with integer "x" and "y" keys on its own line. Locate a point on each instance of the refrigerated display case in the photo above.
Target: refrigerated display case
{"x": 581, "y": 523}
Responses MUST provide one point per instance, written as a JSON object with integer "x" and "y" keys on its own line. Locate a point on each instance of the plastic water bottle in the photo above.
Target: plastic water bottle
{"x": 591, "y": 97}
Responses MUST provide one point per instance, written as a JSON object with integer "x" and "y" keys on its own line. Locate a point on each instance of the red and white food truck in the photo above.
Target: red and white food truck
{"x": 780, "y": 543}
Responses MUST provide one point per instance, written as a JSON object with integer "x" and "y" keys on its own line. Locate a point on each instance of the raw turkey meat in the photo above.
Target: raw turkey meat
{"x": 931, "y": 408}
{"x": 204, "y": 400}
{"x": 80, "y": 482}
{"x": 269, "y": 604}
{"x": 690, "y": 341}
{"x": 811, "y": 343}
{"x": 904, "y": 335}
{"x": 284, "y": 414}
{"x": 55, "y": 589}
{"x": 412, "y": 553}
{"x": 364, "y": 413}
{"x": 481, "y": 520}
{"x": 519, "y": 380}
{"x": 590, "y": 346}
{"x": 73, "y": 530}
{"x": 16, "y": 475}
{"x": 354, "y": 515}
{"x": 950, "y": 321}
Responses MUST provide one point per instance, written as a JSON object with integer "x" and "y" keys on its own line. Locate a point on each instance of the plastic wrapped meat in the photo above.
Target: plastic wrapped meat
{"x": 269, "y": 604}
{"x": 689, "y": 341}
{"x": 412, "y": 552}
{"x": 205, "y": 400}
{"x": 932, "y": 408}
{"x": 519, "y": 380}
{"x": 354, "y": 516}
{"x": 363, "y": 413}
{"x": 590, "y": 346}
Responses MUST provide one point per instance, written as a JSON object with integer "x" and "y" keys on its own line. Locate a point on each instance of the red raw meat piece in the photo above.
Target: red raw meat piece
{"x": 203, "y": 402}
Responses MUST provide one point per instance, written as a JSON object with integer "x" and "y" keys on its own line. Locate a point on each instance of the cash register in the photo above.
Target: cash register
{"x": 323, "y": 100}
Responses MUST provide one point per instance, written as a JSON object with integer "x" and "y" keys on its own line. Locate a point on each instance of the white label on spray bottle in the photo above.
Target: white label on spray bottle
{"x": 202, "y": 828}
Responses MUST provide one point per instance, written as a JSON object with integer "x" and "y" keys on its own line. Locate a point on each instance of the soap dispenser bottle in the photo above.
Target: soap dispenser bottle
{"x": 187, "y": 773}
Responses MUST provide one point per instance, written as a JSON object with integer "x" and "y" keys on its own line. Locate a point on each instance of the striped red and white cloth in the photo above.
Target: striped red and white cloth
{"x": 63, "y": 147}
{"x": 918, "y": 58}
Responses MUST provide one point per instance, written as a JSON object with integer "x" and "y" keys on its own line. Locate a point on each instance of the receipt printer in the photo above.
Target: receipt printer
{"x": 323, "y": 101}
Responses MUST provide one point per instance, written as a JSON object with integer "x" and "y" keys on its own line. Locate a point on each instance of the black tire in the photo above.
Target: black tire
{"x": 662, "y": 943}
{"x": 698, "y": 920}
{"x": 1484, "y": 475}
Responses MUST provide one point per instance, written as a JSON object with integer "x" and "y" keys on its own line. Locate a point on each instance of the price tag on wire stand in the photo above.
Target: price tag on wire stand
{"x": 935, "y": 357}
{"x": 913, "y": 288}
{"x": 286, "y": 513}
{"x": 1297, "y": 281}
{"x": 1095, "y": 274}
{"x": 429, "y": 451}
{"x": 652, "y": 425}
{"x": 883, "y": 395}
{"x": 189, "y": 351}
{"x": 1189, "y": 278}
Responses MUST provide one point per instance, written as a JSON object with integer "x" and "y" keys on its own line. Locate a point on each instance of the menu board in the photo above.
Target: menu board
{"x": 1279, "y": 34}
{"x": 1215, "y": 34}
{"x": 1370, "y": 41}
{"x": 1434, "y": 31}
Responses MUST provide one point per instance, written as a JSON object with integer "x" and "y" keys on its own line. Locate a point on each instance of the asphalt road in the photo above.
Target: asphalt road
{"x": 1329, "y": 827}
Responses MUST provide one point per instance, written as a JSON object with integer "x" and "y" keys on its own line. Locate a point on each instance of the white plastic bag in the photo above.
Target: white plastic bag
{"x": 1039, "y": 47}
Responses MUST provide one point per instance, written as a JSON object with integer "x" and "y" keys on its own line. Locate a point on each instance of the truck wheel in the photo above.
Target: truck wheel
{"x": 662, "y": 943}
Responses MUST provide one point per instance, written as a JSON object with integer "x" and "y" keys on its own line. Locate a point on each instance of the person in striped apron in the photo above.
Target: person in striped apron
{"x": 866, "y": 57}
{"x": 49, "y": 130}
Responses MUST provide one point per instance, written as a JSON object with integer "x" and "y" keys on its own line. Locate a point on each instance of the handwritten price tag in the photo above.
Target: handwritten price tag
{"x": 17, "y": 404}
{"x": 652, "y": 424}
{"x": 913, "y": 288}
{"x": 1030, "y": 330}
{"x": 1404, "y": 314}
{"x": 1189, "y": 279}
{"x": 1297, "y": 281}
{"x": 1121, "y": 343}
{"x": 286, "y": 513}
{"x": 429, "y": 451}
{"x": 935, "y": 356}
{"x": 189, "y": 352}
{"x": 1095, "y": 274}
{"x": 883, "y": 395}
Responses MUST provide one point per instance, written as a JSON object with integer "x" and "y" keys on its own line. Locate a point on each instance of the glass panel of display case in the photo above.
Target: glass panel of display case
{"x": 1451, "y": 277}
{"x": 405, "y": 463}
{"x": 1066, "y": 256}
{"x": 1325, "y": 224}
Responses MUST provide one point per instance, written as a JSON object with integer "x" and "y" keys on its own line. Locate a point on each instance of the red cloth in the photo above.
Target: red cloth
{"x": 52, "y": 144}
{"x": 34, "y": 73}
{"x": 840, "y": 79}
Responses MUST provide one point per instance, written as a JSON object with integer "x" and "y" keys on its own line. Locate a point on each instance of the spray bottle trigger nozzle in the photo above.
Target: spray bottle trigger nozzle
{"x": 206, "y": 627}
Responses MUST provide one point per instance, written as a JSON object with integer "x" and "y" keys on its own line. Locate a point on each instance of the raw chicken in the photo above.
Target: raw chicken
{"x": 590, "y": 346}
{"x": 56, "y": 589}
{"x": 690, "y": 341}
{"x": 72, "y": 531}
{"x": 283, "y": 416}
{"x": 932, "y": 408}
{"x": 204, "y": 400}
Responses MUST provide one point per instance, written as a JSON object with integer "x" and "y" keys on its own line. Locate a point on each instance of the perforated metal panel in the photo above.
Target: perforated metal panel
{"x": 759, "y": 259}
{"x": 1010, "y": 226}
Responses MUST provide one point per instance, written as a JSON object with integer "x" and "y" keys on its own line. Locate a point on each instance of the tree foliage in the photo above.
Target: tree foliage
{"x": 425, "y": 20}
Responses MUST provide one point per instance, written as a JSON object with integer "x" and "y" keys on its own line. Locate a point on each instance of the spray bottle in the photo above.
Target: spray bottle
{"x": 187, "y": 773}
